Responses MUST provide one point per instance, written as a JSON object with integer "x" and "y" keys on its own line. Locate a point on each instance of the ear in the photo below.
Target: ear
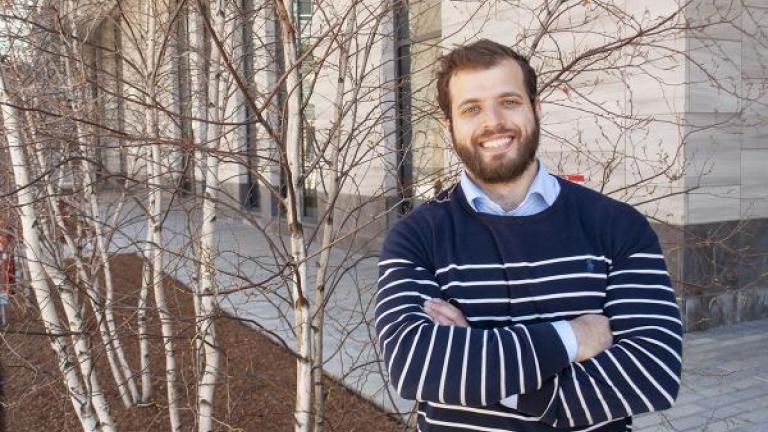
{"x": 446, "y": 122}
{"x": 537, "y": 107}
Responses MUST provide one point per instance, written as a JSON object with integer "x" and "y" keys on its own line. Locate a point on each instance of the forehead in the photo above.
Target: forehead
{"x": 482, "y": 83}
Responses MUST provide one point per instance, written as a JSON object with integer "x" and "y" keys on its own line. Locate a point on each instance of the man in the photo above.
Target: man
{"x": 518, "y": 301}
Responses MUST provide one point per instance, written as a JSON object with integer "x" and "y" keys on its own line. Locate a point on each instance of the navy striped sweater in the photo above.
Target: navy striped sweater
{"x": 511, "y": 277}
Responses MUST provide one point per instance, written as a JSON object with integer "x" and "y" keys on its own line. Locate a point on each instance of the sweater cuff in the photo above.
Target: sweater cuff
{"x": 568, "y": 337}
{"x": 550, "y": 350}
{"x": 553, "y": 358}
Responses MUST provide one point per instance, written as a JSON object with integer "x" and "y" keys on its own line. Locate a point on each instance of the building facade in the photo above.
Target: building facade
{"x": 657, "y": 104}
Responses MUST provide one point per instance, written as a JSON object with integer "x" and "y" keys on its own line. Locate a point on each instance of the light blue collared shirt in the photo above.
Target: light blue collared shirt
{"x": 540, "y": 196}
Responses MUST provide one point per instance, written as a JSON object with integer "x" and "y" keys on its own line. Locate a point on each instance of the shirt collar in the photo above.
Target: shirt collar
{"x": 544, "y": 184}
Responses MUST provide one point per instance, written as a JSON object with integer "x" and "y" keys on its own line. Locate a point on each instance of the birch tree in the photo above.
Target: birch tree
{"x": 206, "y": 291}
{"x": 154, "y": 220}
{"x": 102, "y": 306}
{"x": 86, "y": 395}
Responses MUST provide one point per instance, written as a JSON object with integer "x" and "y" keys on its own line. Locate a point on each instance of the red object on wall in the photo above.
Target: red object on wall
{"x": 576, "y": 178}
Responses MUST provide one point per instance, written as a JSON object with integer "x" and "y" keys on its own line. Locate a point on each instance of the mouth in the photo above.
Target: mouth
{"x": 497, "y": 142}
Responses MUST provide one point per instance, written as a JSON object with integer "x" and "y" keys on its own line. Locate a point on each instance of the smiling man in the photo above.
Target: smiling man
{"x": 518, "y": 301}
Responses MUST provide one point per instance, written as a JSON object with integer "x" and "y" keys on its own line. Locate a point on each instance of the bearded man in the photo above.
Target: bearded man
{"x": 518, "y": 301}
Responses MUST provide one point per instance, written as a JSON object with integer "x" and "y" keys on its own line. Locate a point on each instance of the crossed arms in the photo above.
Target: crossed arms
{"x": 460, "y": 365}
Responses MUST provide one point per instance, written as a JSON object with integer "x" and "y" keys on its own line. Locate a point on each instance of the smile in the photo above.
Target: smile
{"x": 496, "y": 143}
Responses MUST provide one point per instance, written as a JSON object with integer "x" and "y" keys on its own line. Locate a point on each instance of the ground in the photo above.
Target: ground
{"x": 255, "y": 392}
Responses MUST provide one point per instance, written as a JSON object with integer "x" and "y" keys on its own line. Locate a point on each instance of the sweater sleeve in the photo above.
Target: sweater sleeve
{"x": 451, "y": 364}
{"x": 641, "y": 371}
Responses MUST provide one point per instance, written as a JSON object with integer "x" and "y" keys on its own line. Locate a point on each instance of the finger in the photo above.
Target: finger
{"x": 448, "y": 310}
{"x": 438, "y": 317}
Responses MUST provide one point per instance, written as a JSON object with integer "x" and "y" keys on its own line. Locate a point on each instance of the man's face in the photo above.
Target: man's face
{"x": 494, "y": 126}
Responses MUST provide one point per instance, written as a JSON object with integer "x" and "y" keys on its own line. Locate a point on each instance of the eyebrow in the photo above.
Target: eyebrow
{"x": 502, "y": 95}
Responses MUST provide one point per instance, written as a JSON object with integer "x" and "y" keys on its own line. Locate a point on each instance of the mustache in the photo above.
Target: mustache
{"x": 486, "y": 133}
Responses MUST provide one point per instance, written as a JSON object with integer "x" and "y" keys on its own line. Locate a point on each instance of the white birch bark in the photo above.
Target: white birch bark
{"x": 295, "y": 210}
{"x": 198, "y": 66}
{"x": 154, "y": 221}
{"x": 142, "y": 314}
{"x": 199, "y": 63}
{"x": 331, "y": 194}
{"x": 206, "y": 332}
{"x": 104, "y": 312}
{"x": 100, "y": 310}
{"x": 39, "y": 270}
{"x": 174, "y": 77}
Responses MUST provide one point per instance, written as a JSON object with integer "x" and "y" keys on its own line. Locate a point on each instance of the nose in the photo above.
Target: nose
{"x": 492, "y": 118}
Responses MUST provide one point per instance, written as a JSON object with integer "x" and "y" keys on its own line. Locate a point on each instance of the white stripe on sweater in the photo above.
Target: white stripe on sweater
{"x": 646, "y": 316}
{"x": 639, "y": 271}
{"x": 532, "y": 298}
{"x": 596, "y": 388}
{"x": 670, "y": 350}
{"x": 441, "y": 395}
{"x": 395, "y": 309}
{"x": 393, "y": 261}
{"x": 386, "y": 273}
{"x": 502, "y": 362}
{"x": 627, "y": 408}
{"x": 426, "y": 363}
{"x": 519, "y": 360}
{"x": 652, "y": 357}
{"x": 401, "y": 318}
{"x": 584, "y": 406}
{"x": 466, "y": 426}
{"x": 521, "y": 263}
{"x": 533, "y": 316}
{"x": 629, "y": 380}
{"x": 483, "y": 411}
{"x": 658, "y": 386}
{"x": 397, "y": 347}
{"x": 641, "y": 301}
{"x": 564, "y": 404}
{"x": 647, "y": 255}
{"x": 483, "y": 370}
{"x": 533, "y": 353}
{"x": 402, "y": 294}
{"x": 640, "y": 286}
{"x": 402, "y": 281}
{"x": 408, "y": 359}
{"x": 640, "y": 328}
{"x": 464, "y": 368}
{"x": 526, "y": 281}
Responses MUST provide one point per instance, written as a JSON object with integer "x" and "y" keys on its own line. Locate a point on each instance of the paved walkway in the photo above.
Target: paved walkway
{"x": 725, "y": 383}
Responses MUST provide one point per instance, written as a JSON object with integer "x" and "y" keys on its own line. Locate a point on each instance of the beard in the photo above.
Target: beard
{"x": 508, "y": 167}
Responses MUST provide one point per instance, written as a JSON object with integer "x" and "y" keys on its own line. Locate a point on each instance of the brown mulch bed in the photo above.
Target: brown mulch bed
{"x": 255, "y": 392}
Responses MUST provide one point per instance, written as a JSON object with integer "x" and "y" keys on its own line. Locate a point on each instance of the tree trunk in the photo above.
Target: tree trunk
{"x": 100, "y": 310}
{"x": 154, "y": 221}
{"x": 331, "y": 194}
{"x": 37, "y": 262}
{"x": 206, "y": 333}
{"x": 295, "y": 210}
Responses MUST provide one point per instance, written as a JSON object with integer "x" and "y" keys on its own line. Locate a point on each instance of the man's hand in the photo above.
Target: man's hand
{"x": 593, "y": 334}
{"x": 444, "y": 313}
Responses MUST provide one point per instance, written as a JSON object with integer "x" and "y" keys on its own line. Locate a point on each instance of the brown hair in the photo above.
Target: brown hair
{"x": 482, "y": 54}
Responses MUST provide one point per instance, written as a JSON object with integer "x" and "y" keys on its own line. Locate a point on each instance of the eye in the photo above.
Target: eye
{"x": 470, "y": 109}
{"x": 510, "y": 102}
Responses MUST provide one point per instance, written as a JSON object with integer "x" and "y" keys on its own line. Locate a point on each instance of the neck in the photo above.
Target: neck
{"x": 509, "y": 195}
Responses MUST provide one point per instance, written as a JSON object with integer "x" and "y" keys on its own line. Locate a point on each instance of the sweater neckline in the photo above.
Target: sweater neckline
{"x": 504, "y": 219}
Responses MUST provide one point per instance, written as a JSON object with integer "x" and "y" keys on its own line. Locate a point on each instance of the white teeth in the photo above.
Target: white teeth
{"x": 496, "y": 143}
